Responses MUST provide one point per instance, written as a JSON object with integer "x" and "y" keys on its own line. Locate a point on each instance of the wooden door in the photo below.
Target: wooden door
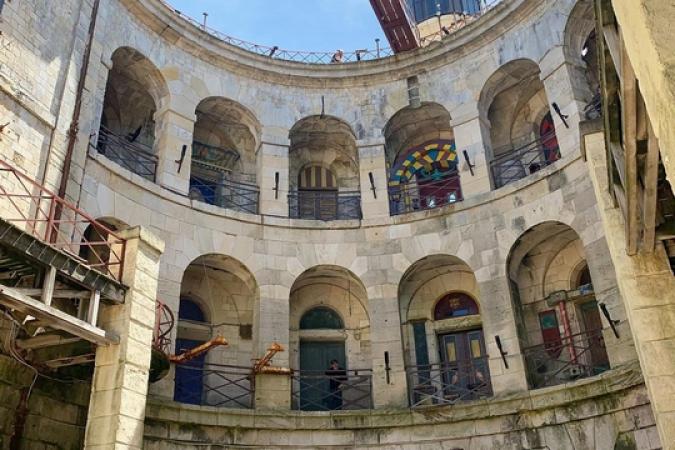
{"x": 590, "y": 315}
{"x": 189, "y": 384}
{"x": 465, "y": 364}
{"x": 315, "y": 357}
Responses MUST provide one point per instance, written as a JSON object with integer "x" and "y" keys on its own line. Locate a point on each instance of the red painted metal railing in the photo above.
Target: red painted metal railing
{"x": 164, "y": 323}
{"x": 35, "y": 209}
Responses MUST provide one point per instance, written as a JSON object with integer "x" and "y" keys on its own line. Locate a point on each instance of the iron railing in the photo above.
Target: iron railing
{"x": 48, "y": 217}
{"x": 164, "y": 323}
{"x": 324, "y": 391}
{"x": 133, "y": 156}
{"x": 525, "y": 160}
{"x": 226, "y": 193}
{"x": 447, "y": 384}
{"x": 324, "y": 205}
{"x": 465, "y": 12}
{"x": 217, "y": 385}
{"x": 416, "y": 196}
{"x": 593, "y": 109}
{"x": 572, "y": 357}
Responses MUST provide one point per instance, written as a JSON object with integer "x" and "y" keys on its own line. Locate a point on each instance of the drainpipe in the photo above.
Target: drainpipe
{"x": 75, "y": 122}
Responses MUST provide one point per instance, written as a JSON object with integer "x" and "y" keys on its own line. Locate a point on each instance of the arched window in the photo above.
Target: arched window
{"x": 549, "y": 140}
{"x": 321, "y": 318}
{"x": 189, "y": 310}
{"x": 455, "y": 304}
{"x": 584, "y": 278}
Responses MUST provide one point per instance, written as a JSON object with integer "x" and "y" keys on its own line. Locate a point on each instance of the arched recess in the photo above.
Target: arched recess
{"x": 323, "y": 170}
{"x": 581, "y": 51}
{"x": 134, "y": 91}
{"x": 442, "y": 329}
{"x": 559, "y": 321}
{"x": 422, "y": 159}
{"x": 225, "y": 292}
{"x": 515, "y": 109}
{"x": 223, "y": 169}
{"x": 322, "y": 298}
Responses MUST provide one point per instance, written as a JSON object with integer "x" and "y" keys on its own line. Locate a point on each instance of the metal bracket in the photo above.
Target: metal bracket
{"x": 501, "y": 351}
{"x": 612, "y": 323}
{"x": 372, "y": 184}
{"x": 182, "y": 157}
{"x": 562, "y": 116}
{"x": 468, "y": 161}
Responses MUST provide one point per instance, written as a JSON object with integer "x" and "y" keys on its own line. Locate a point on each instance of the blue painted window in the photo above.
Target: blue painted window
{"x": 189, "y": 310}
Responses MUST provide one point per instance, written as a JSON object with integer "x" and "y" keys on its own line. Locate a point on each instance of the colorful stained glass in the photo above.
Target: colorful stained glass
{"x": 455, "y": 304}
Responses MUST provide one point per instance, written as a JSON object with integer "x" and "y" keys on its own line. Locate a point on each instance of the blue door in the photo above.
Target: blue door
{"x": 189, "y": 385}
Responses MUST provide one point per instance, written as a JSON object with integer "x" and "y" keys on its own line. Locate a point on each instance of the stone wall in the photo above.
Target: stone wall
{"x": 608, "y": 413}
{"x": 56, "y": 413}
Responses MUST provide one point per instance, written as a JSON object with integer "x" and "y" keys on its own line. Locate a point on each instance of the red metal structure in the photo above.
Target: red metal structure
{"x": 398, "y": 24}
{"x": 55, "y": 221}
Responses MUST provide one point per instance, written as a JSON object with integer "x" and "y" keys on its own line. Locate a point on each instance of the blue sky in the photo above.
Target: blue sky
{"x": 315, "y": 25}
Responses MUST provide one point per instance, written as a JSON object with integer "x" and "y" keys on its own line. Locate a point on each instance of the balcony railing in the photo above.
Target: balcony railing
{"x": 417, "y": 196}
{"x": 447, "y": 384}
{"x": 570, "y": 358}
{"x": 226, "y": 192}
{"x": 324, "y": 205}
{"x": 133, "y": 156}
{"x": 33, "y": 208}
{"x": 465, "y": 12}
{"x": 322, "y": 391}
{"x": 593, "y": 109}
{"x": 215, "y": 385}
{"x": 525, "y": 160}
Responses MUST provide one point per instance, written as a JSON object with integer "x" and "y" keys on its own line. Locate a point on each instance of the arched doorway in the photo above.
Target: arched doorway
{"x": 329, "y": 322}
{"x": 560, "y": 326}
{"x": 324, "y": 174}
{"x": 444, "y": 344}
{"x": 422, "y": 159}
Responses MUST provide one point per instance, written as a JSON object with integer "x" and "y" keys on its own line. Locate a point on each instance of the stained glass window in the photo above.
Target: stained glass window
{"x": 455, "y": 304}
{"x": 321, "y": 318}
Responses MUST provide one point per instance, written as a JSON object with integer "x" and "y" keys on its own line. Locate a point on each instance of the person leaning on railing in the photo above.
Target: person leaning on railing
{"x": 337, "y": 376}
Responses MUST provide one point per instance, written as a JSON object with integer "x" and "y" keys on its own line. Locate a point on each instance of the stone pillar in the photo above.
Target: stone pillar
{"x": 562, "y": 83}
{"x": 173, "y": 130}
{"x": 272, "y": 165}
{"x": 390, "y": 388}
{"x": 469, "y": 136}
{"x": 647, "y": 286}
{"x": 499, "y": 320}
{"x": 372, "y": 161}
{"x": 120, "y": 384}
{"x": 271, "y": 324}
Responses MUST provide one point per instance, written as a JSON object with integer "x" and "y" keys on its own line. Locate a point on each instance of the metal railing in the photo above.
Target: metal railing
{"x": 465, "y": 12}
{"x": 447, "y": 384}
{"x": 593, "y": 109}
{"x": 324, "y": 205}
{"x": 164, "y": 323}
{"x": 217, "y": 385}
{"x": 226, "y": 193}
{"x": 572, "y": 357}
{"x": 39, "y": 212}
{"x": 275, "y": 52}
{"x": 340, "y": 390}
{"x": 525, "y": 160}
{"x": 417, "y": 196}
{"x": 133, "y": 156}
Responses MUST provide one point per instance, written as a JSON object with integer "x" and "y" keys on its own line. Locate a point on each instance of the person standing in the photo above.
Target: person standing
{"x": 337, "y": 376}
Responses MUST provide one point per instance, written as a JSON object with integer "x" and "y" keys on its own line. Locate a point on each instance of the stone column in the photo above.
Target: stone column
{"x": 372, "y": 161}
{"x": 390, "y": 389}
{"x": 271, "y": 324}
{"x": 562, "y": 81}
{"x": 173, "y": 130}
{"x": 468, "y": 132}
{"x": 272, "y": 166}
{"x": 499, "y": 320}
{"x": 647, "y": 286}
{"x": 120, "y": 384}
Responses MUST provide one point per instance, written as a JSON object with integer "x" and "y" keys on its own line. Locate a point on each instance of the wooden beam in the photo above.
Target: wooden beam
{"x": 629, "y": 106}
{"x": 650, "y": 194}
{"x": 58, "y": 293}
{"x": 45, "y": 340}
{"x": 55, "y": 318}
{"x": 92, "y": 312}
{"x": 613, "y": 41}
{"x": 70, "y": 361}
{"x": 48, "y": 285}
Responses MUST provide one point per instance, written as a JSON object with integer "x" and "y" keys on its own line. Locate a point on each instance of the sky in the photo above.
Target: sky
{"x": 312, "y": 25}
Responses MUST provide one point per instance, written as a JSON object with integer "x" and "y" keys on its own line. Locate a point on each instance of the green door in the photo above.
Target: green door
{"x": 315, "y": 357}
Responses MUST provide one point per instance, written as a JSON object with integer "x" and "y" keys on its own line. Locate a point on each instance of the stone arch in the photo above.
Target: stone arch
{"x": 580, "y": 49}
{"x": 343, "y": 292}
{"x": 422, "y": 159}
{"x": 580, "y": 24}
{"x": 135, "y": 91}
{"x": 559, "y": 326}
{"x": 327, "y": 141}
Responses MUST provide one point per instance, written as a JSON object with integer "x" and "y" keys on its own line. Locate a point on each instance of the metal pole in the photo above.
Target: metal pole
{"x": 377, "y": 45}
{"x": 205, "y": 14}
